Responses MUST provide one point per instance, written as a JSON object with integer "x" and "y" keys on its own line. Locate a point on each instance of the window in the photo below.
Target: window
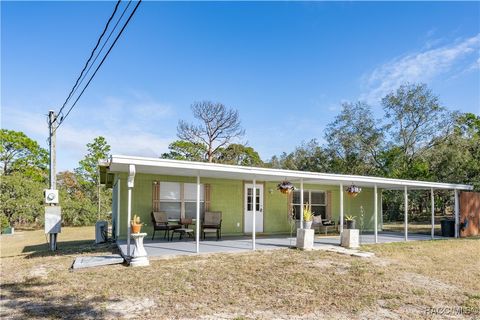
{"x": 179, "y": 200}
{"x": 250, "y": 200}
{"x": 317, "y": 199}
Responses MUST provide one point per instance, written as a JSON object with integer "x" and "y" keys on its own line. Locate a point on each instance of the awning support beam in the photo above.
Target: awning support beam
{"x": 432, "y": 198}
{"x": 254, "y": 211}
{"x": 375, "y": 209}
{"x": 406, "y": 213}
{"x": 197, "y": 222}
{"x": 457, "y": 214}
{"x": 341, "y": 209}
{"x": 301, "y": 203}
{"x": 130, "y": 184}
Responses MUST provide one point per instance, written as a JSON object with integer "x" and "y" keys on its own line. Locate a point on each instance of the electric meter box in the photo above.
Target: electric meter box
{"x": 53, "y": 219}
{"x": 51, "y": 196}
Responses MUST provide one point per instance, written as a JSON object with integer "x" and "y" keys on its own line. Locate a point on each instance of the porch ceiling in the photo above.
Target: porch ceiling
{"x": 118, "y": 163}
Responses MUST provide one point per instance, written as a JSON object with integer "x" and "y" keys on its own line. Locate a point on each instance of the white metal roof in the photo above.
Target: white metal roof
{"x": 119, "y": 163}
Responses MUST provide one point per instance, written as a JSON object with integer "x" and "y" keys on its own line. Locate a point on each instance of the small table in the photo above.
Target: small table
{"x": 182, "y": 232}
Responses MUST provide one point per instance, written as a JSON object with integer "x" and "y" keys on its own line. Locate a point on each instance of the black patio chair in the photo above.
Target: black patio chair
{"x": 161, "y": 223}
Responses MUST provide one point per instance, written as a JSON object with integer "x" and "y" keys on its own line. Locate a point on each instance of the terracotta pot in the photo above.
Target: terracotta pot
{"x": 136, "y": 228}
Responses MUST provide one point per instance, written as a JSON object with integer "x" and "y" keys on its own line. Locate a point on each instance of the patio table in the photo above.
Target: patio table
{"x": 181, "y": 232}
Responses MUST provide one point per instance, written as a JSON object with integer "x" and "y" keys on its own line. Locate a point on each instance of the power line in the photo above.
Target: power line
{"x": 101, "y": 49}
{"x": 100, "y": 64}
{"x": 91, "y": 55}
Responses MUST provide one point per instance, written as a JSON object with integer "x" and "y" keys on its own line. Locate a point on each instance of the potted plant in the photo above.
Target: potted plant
{"x": 350, "y": 222}
{"x": 136, "y": 224}
{"x": 307, "y": 216}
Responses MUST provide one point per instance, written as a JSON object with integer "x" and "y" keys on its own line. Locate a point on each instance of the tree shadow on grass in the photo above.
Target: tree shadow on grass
{"x": 34, "y": 299}
{"x": 69, "y": 248}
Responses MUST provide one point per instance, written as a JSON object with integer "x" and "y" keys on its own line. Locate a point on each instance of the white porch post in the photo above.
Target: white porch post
{"x": 406, "y": 214}
{"x": 432, "y": 198}
{"x": 254, "y": 203}
{"x": 375, "y": 212}
{"x": 197, "y": 222}
{"x": 130, "y": 184}
{"x": 381, "y": 209}
{"x": 341, "y": 208}
{"x": 301, "y": 203}
{"x": 457, "y": 214}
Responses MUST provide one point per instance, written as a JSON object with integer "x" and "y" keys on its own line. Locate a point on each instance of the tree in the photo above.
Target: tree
{"x": 218, "y": 126}
{"x": 457, "y": 158}
{"x": 78, "y": 206}
{"x": 239, "y": 154}
{"x": 416, "y": 123}
{"x": 309, "y": 156}
{"x": 185, "y": 150}
{"x": 354, "y": 140}
{"x": 19, "y": 153}
{"x": 88, "y": 169}
{"x": 21, "y": 199}
{"x": 87, "y": 174}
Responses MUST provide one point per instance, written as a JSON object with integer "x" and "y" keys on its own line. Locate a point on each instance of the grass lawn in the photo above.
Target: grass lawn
{"x": 402, "y": 281}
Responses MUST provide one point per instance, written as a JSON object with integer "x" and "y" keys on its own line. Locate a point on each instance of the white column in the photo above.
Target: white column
{"x": 301, "y": 203}
{"x": 433, "y": 212}
{"x": 117, "y": 229}
{"x": 381, "y": 208}
{"x": 341, "y": 208}
{"x": 197, "y": 222}
{"x": 130, "y": 184}
{"x": 254, "y": 204}
{"x": 406, "y": 214}
{"x": 457, "y": 214}
{"x": 375, "y": 212}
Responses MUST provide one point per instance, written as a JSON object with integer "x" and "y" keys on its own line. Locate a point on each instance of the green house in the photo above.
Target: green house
{"x": 142, "y": 185}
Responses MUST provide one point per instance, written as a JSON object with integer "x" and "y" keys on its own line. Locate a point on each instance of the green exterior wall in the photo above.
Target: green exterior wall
{"x": 227, "y": 196}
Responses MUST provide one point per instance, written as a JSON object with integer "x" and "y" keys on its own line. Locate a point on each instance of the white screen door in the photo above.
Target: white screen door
{"x": 249, "y": 208}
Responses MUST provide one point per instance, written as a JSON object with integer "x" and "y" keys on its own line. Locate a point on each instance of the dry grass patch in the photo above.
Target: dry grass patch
{"x": 400, "y": 282}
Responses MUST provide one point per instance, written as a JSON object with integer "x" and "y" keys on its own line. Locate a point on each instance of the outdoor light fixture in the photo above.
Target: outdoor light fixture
{"x": 285, "y": 187}
{"x": 353, "y": 190}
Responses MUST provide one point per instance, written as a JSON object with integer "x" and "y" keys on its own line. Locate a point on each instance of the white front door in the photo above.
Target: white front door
{"x": 248, "y": 203}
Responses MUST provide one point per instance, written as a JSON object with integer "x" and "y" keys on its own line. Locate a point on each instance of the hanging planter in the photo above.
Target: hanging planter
{"x": 285, "y": 187}
{"x": 353, "y": 190}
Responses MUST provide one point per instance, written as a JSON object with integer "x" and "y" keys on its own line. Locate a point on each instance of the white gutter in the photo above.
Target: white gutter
{"x": 281, "y": 174}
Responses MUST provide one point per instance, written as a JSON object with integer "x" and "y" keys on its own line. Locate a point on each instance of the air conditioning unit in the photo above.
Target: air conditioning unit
{"x": 51, "y": 196}
{"x": 101, "y": 232}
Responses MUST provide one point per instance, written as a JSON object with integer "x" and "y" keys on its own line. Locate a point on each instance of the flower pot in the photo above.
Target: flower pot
{"x": 307, "y": 224}
{"x": 136, "y": 228}
{"x": 350, "y": 224}
{"x": 352, "y": 194}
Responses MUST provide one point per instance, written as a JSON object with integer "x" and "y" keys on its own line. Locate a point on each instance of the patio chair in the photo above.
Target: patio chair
{"x": 212, "y": 222}
{"x": 160, "y": 223}
{"x": 318, "y": 222}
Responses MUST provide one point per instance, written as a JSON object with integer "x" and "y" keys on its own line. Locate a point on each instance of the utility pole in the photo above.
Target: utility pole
{"x": 52, "y": 211}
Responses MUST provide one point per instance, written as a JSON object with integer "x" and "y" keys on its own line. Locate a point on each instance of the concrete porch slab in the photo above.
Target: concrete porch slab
{"x": 164, "y": 249}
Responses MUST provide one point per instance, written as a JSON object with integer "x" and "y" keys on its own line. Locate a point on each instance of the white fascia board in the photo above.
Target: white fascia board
{"x": 119, "y": 163}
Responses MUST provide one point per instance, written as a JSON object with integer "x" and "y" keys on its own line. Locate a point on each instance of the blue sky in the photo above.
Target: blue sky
{"x": 286, "y": 66}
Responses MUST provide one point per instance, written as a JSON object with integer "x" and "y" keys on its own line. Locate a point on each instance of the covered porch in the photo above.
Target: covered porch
{"x": 166, "y": 249}
{"x": 127, "y": 168}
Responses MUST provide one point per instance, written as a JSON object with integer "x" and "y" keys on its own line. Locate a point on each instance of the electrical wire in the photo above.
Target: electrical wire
{"x": 100, "y": 64}
{"x": 98, "y": 53}
{"x": 91, "y": 55}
